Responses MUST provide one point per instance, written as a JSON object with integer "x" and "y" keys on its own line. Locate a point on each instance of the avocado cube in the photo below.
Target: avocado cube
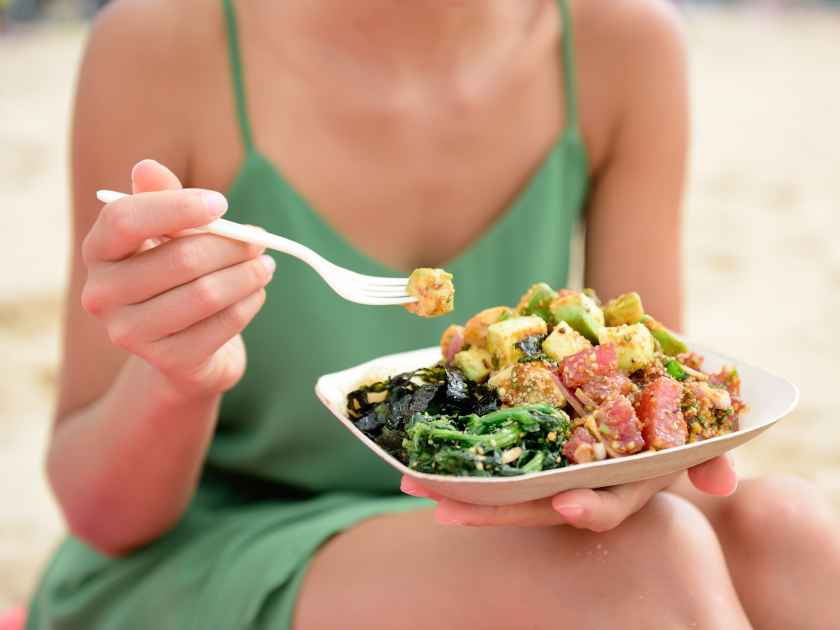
{"x": 475, "y": 332}
{"x": 625, "y": 309}
{"x": 580, "y": 312}
{"x": 592, "y": 295}
{"x": 475, "y": 363}
{"x": 536, "y": 301}
{"x": 633, "y": 345}
{"x": 564, "y": 341}
{"x": 503, "y": 336}
{"x": 668, "y": 341}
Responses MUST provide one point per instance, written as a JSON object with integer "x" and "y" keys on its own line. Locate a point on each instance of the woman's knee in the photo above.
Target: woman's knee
{"x": 778, "y": 513}
{"x": 667, "y": 558}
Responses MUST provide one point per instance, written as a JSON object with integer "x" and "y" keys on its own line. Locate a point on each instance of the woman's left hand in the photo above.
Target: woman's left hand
{"x": 595, "y": 510}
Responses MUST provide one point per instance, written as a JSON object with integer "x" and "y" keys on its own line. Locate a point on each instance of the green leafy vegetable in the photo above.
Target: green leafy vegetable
{"x": 676, "y": 370}
{"x": 506, "y": 442}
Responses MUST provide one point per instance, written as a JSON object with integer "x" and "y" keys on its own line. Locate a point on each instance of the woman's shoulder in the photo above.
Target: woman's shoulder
{"x": 643, "y": 22}
{"x": 144, "y": 68}
{"x": 157, "y": 32}
{"x": 628, "y": 53}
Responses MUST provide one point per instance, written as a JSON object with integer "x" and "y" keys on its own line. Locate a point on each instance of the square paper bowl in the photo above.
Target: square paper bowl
{"x": 769, "y": 398}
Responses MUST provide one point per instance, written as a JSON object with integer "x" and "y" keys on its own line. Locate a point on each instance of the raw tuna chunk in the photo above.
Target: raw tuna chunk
{"x": 600, "y": 389}
{"x": 581, "y": 447}
{"x": 621, "y": 430}
{"x": 582, "y": 367}
{"x": 659, "y": 410}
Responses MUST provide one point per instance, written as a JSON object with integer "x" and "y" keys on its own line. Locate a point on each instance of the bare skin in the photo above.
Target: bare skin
{"x": 456, "y": 76}
{"x": 767, "y": 529}
{"x": 501, "y": 578}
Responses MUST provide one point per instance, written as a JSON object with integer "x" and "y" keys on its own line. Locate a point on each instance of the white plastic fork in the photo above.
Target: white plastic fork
{"x": 352, "y": 286}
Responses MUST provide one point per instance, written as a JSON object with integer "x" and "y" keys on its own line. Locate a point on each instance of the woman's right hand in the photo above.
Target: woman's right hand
{"x": 177, "y": 303}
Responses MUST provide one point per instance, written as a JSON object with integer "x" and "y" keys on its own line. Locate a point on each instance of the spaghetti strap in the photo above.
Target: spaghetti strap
{"x": 569, "y": 71}
{"x": 235, "y": 55}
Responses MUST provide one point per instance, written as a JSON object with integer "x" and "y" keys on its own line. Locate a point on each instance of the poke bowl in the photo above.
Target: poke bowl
{"x": 557, "y": 393}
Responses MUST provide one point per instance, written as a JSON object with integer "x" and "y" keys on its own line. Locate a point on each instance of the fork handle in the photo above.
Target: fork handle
{"x": 257, "y": 236}
{"x": 245, "y": 233}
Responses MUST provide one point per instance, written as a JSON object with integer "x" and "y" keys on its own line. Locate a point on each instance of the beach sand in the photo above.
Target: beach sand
{"x": 763, "y": 268}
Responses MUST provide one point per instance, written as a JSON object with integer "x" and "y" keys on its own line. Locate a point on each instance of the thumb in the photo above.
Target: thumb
{"x": 716, "y": 477}
{"x": 151, "y": 176}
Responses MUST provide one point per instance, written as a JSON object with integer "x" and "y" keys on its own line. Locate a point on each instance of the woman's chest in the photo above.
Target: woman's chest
{"x": 408, "y": 177}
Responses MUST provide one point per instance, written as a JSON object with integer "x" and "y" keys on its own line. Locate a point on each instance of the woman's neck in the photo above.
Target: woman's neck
{"x": 408, "y": 36}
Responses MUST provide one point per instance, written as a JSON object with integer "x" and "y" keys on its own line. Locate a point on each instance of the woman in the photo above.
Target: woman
{"x": 386, "y": 135}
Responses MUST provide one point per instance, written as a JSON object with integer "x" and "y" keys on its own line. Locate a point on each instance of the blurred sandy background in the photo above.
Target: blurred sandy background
{"x": 762, "y": 260}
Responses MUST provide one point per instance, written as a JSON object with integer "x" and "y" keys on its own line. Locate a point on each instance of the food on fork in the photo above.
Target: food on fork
{"x": 557, "y": 380}
{"x": 434, "y": 291}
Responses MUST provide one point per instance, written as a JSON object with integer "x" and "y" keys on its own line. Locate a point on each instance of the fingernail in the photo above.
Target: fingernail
{"x": 268, "y": 263}
{"x": 569, "y": 512}
{"x": 412, "y": 490}
{"x": 215, "y": 202}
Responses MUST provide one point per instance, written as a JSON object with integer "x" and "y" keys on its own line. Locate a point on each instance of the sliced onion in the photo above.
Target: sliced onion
{"x": 573, "y": 401}
{"x": 695, "y": 373}
{"x": 586, "y": 400}
{"x": 454, "y": 346}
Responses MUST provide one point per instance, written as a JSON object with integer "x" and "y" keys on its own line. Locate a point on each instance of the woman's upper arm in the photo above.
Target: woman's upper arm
{"x": 633, "y": 240}
{"x": 125, "y": 110}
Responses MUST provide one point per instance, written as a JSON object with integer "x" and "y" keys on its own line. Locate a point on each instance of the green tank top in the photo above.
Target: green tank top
{"x": 271, "y": 426}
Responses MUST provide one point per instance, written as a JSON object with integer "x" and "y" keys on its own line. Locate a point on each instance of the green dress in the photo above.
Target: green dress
{"x": 282, "y": 475}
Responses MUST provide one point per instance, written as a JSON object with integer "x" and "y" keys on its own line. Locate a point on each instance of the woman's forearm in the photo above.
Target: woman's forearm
{"x": 125, "y": 467}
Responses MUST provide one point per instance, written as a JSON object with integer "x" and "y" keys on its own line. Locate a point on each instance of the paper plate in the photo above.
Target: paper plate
{"x": 769, "y": 397}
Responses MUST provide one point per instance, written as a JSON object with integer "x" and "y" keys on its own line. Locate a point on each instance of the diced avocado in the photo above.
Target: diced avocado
{"x": 668, "y": 341}
{"x": 502, "y": 337}
{"x": 475, "y": 363}
{"x": 475, "y": 333}
{"x": 536, "y": 302}
{"x": 592, "y": 295}
{"x": 625, "y": 309}
{"x": 564, "y": 341}
{"x": 581, "y": 313}
{"x": 633, "y": 344}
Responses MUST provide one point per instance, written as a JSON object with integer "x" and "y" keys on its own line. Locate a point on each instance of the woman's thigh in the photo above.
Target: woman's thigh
{"x": 662, "y": 568}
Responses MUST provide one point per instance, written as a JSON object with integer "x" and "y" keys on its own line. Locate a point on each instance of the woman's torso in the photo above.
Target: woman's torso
{"x": 489, "y": 183}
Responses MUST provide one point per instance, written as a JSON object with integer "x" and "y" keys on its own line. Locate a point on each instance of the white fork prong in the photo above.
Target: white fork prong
{"x": 359, "y": 294}
{"x": 385, "y": 291}
{"x": 379, "y": 301}
{"x": 372, "y": 280}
